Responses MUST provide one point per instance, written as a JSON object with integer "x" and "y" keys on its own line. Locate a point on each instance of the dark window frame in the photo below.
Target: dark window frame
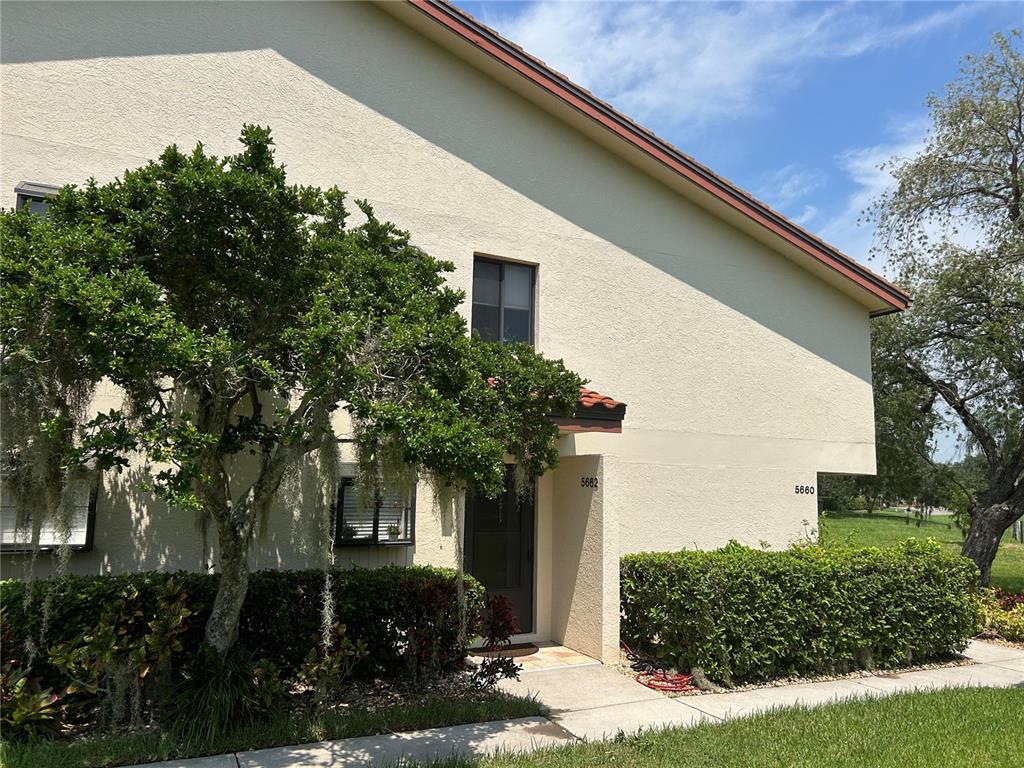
{"x": 12, "y": 548}
{"x": 502, "y": 263}
{"x": 28, "y": 192}
{"x": 376, "y": 539}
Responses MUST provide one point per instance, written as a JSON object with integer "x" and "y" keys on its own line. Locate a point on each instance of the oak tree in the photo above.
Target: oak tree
{"x": 953, "y": 230}
{"x": 239, "y": 315}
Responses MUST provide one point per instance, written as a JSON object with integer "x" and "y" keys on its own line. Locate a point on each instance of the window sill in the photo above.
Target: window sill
{"x": 24, "y": 549}
{"x": 373, "y": 543}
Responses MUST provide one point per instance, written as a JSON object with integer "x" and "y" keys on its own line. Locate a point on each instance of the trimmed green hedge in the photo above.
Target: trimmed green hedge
{"x": 744, "y": 615}
{"x": 404, "y": 615}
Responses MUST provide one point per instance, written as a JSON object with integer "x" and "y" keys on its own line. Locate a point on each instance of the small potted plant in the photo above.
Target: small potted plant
{"x": 348, "y": 532}
{"x": 393, "y": 533}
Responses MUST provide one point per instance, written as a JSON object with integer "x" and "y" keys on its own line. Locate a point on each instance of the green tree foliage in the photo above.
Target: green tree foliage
{"x": 953, "y": 230}
{"x": 238, "y": 314}
{"x": 69, "y": 304}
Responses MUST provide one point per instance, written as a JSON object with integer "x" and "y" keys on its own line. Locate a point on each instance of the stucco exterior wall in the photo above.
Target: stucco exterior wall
{"x": 745, "y": 375}
{"x": 585, "y": 573}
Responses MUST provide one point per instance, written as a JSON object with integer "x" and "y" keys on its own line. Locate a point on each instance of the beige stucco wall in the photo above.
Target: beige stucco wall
{"x": 585, "y": 573}
{"x": 744, "y": 374}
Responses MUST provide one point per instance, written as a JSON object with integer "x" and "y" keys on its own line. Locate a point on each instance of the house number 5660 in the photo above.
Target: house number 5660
{"x": 804, "y": 489}
{"x": 588, "y": 482}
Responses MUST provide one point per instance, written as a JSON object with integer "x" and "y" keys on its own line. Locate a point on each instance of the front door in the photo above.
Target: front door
{"x": 499, "y": 547}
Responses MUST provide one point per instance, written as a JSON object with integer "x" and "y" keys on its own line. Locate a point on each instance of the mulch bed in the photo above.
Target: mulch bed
{"x": 371, "y": 696}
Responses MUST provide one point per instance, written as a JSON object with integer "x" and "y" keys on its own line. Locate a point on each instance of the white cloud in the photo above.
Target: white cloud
{"x": 809, "y": 214}
{"x": 691, "y": 64}
{"x": 788, "y": 185}
{"x": 848, "y": 230}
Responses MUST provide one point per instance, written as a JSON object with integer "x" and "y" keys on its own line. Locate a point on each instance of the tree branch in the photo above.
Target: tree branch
{"x": 949, "y": 393}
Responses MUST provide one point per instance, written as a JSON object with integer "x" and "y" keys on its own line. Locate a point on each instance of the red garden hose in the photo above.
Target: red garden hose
{"x": 653, "y": 675}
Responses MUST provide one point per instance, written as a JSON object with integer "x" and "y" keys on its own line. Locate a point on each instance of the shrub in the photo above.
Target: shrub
{"x": 128, "y": 652}
{"x": 1002, "y": 615}
{"x": 404, "y": 616}
{"x": 499, "y": 627}
{"x": 325, "y": 668}
{"x": 27, "y": 711}
{"x": 1006, "y": 600}
{"x": 745, "y": 615}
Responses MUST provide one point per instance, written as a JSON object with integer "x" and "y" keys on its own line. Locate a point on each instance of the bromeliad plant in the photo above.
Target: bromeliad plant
{"x": 27, "y": 710}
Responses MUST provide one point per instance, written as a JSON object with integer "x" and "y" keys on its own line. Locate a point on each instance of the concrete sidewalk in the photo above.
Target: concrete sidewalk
{"x": 594, "y": 702}
{"x": 597, "y": 702}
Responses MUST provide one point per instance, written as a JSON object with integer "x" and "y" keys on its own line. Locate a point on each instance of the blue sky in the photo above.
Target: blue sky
{"x": 795, "y": 102}
{"x": 798, "y": 103}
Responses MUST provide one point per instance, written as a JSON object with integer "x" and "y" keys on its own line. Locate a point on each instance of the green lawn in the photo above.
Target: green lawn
{"x": 980, "y": 728}
{"x": 126, "y": 749}
{"x": 889, "y": 526}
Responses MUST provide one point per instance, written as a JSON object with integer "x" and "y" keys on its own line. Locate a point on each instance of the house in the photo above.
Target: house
{"x": 727, "y": 348}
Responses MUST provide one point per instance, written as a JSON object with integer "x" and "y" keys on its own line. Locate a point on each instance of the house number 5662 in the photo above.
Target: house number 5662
{"x": 804, "y": 489}
{"x": 588, "y": 482}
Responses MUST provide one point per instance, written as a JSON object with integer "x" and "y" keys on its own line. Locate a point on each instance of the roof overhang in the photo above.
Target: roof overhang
{"x": 594, "y": 413}
{"x": 488, "y": 51}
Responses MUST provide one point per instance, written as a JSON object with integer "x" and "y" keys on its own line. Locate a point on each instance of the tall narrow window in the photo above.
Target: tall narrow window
{"x": 503, "y": 301}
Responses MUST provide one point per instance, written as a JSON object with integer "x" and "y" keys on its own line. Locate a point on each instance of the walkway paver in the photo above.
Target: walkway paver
{"x": 594, "y": 702}
{"x": 1016, "y": 664}
{"x": 216, "y": 761}
{"x": 537, "y": 656}
{"x": 598, "y": 702}
{"x": 574, "y": 688}
{"x": 522, "y": 735}
{"x": 599, "y": 723}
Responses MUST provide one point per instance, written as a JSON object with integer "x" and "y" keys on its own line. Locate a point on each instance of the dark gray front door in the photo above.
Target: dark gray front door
{"x": 499, "y": 547}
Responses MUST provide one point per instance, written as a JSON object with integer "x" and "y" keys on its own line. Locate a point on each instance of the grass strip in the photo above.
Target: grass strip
{"x": 432, "y": 711}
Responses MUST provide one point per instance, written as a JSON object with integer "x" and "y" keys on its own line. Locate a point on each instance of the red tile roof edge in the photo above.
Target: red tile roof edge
{"x": 591, "y": 399}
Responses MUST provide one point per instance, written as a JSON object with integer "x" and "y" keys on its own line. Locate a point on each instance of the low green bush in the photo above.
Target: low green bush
{"x": 744, "y": 615}
{"x": 407, "y": 619}
{"x": 1002, "y": 615}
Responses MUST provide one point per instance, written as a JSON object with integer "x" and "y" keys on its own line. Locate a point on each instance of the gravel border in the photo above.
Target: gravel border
{"x": 623, "y": 666}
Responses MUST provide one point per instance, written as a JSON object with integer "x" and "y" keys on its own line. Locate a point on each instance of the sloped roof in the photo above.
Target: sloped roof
{"x": 888, "y": 296}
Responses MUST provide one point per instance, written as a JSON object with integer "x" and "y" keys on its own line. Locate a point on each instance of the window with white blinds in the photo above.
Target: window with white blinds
{"x": 16, "y": 535}
{"x": 388, "y": 518}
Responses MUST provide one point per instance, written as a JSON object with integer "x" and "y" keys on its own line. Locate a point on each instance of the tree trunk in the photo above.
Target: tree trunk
{"x": 236, "y": 521}
{"x": 233, "y": 565}
{"x": 988, "y": 525}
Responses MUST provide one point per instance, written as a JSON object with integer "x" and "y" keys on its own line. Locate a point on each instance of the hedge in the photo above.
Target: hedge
{"x": 744, "y": 615}
{"x": 387, "y": 608}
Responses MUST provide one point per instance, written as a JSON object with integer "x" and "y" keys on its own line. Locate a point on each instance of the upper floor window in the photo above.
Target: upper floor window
{"x": 503, "y": 301}
{"x": 35, "y": 197}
